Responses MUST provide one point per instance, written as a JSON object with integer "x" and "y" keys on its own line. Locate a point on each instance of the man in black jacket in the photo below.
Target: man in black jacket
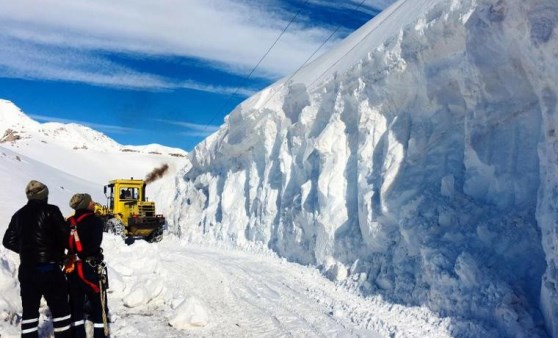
{"x": 39, "y": 234}
{"x": 86, "y": 279}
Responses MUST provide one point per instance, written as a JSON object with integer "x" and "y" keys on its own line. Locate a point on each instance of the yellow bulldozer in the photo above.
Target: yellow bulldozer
{"x": 128, "y": 213}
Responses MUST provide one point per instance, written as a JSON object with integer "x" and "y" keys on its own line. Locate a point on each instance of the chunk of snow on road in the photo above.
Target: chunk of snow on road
{"x": 190, "y": 313}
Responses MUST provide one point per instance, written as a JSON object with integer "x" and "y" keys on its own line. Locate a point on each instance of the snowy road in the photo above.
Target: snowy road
{"x": 240, "y": 294}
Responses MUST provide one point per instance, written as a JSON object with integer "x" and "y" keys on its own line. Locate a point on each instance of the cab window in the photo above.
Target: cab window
{"x": 128, "y": 193}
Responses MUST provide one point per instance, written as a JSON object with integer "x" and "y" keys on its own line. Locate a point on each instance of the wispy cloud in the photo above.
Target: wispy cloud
{"x": 192, "y": 129}
{"x": 215, "y": 89}
{"x": 367, "y": 6}
{"x": 30, "y": 61}
{"x": 373, "y": 5}
{"x": 96, "y": 126}
{"x": 61, "y": 39}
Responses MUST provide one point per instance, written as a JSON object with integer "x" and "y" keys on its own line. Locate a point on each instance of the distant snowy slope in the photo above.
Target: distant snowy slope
{"x": 17, "y": 128}
{"x": 78, "y": 154}
{"x": 412, "y": 155}
{"x": 77, "y": 136}
{"x": 18, "y": 168}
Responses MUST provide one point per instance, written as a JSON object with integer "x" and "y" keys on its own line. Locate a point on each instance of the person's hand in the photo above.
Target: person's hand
{"x": 69, "y": 264}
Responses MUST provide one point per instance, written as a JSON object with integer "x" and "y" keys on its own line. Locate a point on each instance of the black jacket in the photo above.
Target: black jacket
{"x": 38, "y": 233}
{"x": 90, "y": 231}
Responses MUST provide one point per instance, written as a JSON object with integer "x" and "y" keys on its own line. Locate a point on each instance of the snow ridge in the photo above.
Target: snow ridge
{"x": 17, "y": 127}
{"x": 415, "y": 162}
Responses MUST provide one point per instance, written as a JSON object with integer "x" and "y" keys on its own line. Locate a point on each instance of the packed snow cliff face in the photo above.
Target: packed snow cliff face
{"x": 418, "y": 159}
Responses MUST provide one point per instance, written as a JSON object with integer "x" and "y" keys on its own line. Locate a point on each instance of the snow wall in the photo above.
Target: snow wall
{"x": 418, "y": 160}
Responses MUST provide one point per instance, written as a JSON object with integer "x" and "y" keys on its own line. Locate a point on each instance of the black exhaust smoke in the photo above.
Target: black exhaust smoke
{"x": 156, "y": 174}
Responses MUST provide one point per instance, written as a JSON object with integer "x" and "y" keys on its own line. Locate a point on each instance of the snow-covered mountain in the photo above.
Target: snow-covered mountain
{"x": 17, "y": 127}
{"x": 78, "y": 156}
{"x": 418, "y": 158}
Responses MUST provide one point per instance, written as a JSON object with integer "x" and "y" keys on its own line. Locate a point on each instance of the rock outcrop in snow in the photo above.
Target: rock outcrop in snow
{"x": 418, "y": 157}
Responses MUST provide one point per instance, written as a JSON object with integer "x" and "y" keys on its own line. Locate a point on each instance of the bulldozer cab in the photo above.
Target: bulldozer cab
{"x": 124, "y": 196}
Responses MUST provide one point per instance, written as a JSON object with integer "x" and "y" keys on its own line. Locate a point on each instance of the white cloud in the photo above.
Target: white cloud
{"x": 29, "y": 61}
{"x": 229, "y": 34}
{"x": 215, "y": 89}
{"x": 375, "y": 4}
{"x": 193, "y": 129}
{"x": 190, "y": 129}
{"x": 370, "y": 6}
{"x": 68, "y": 40}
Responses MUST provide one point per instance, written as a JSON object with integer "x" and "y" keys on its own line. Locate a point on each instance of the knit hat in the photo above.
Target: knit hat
{"x": 36, "y": 190}
{"x": 80, "y": 201}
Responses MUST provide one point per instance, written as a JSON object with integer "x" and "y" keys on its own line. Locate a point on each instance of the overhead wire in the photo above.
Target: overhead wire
{"x": 320, "y": 47}
{"x": 314, "y": 53}
{"x": 259, "y": 62}
{"x": 311, "y": 56}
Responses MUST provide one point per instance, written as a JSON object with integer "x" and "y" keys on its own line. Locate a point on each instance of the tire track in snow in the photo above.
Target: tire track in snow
{"x": 259, "y": 304}
{"x": 270, "y": 303}
{"x": 253, "y": 295}
{"x": 270, "y": 292}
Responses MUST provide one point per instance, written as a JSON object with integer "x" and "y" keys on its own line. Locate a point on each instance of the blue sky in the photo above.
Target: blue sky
{"x": 164, "y": 71}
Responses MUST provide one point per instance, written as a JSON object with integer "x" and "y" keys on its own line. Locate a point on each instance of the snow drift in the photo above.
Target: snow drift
{"x": 420, "y": 155}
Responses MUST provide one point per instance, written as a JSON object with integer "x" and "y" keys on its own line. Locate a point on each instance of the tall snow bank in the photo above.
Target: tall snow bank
{"x": 420, "y": 153}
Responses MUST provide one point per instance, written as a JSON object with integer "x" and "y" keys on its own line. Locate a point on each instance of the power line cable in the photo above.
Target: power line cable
{"x": 323, "y": 44}
{"x": 314, "y": 53}
{"x": 259, "y": 62}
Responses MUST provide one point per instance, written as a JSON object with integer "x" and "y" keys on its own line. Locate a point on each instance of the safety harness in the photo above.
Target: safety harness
{"x": 75, "y": 248}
